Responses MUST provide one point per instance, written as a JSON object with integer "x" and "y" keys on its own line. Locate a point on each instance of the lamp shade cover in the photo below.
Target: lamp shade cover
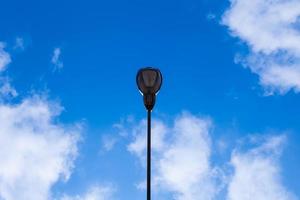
{"x": 149, "y": 81}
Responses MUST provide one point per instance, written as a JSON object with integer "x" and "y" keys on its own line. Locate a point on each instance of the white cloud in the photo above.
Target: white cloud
{"x": 4, "y": 57}
{"x": 181, "y": 157}
{"x": 35, "y": 150}
{"x": 185, "y": 164}
{"x": 94, "y": 193}
{"x": 138, "y": 146}
{"x": 271, "y": 30}
{"x": 56, "y": 59}
{"x": 257, "y": 173}
{"x": 182, "y": 166}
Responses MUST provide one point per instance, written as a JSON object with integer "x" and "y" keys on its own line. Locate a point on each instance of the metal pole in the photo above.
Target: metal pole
{"x": 149, "y": 156}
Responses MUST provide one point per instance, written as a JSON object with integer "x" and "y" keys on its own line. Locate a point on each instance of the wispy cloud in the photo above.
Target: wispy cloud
{"x": 94, "y": 193}
{"x": 257, "y": 172}
{"x": 108, "y": 142}
{"x": 19, "y": 43}
{"x": 271, "y": 31}
{"x": 56, "y": 59}
{"x": 7, "y": 91}
{"x": 4, "y": 57}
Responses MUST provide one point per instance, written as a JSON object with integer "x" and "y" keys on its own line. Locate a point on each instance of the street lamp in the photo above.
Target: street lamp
{"x": 149, "y": 81}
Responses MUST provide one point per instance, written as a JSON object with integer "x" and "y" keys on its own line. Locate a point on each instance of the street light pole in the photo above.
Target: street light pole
{"x": 149, "y": 81}
{"x": 149, "y": 155}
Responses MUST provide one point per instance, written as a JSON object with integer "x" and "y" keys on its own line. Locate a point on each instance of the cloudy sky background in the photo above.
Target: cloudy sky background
{"x": 226, "y": 124}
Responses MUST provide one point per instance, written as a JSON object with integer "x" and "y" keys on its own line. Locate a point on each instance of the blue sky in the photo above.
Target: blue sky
{"x": 72, "y": 118}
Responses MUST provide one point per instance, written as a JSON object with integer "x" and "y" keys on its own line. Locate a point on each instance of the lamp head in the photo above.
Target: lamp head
{"x": 149, "y": 81}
